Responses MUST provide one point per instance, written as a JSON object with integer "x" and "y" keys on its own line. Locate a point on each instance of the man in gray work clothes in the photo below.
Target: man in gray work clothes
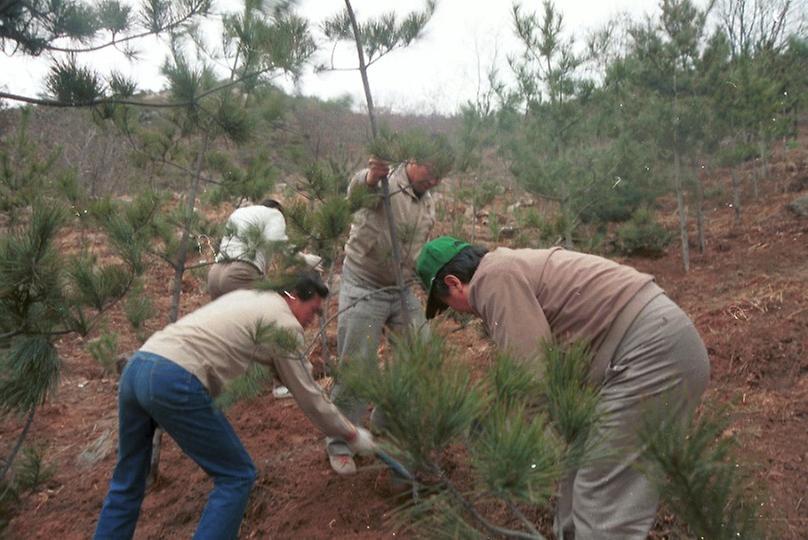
{"x": 368, "y": 276}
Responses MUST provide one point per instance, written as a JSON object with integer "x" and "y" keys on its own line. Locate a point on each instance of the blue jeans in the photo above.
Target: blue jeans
{"x": 155, "y": 391}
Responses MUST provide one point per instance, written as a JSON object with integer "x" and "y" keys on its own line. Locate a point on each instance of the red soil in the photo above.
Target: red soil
{"x": 748, "y": 295}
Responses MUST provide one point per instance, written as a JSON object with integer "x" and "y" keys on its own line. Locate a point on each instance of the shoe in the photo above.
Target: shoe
{"x": 342, "y": 464}
{"x": 281, "y": 392}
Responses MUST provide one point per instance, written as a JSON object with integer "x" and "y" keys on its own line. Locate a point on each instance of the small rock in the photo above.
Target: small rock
{"x": 97, "y": 450}
{"x": 798, "y": 184}
{"x": 799, "y": 206}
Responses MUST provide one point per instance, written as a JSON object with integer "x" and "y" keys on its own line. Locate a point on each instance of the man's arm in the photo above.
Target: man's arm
{"x": 311, "y": 398}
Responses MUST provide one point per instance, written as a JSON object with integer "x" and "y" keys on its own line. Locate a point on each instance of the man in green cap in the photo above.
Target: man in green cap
{"x": 369, "y": 301}
{"x": 645, "y": 352}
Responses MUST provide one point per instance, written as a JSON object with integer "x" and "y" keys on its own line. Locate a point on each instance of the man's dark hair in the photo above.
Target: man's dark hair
{"x": 306, "y": 285}
{"x": 463, "y": 265}
{"x": 272, "y": 203}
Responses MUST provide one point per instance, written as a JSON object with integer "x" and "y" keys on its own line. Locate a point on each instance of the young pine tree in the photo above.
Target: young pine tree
{"x": 47, "y": 292}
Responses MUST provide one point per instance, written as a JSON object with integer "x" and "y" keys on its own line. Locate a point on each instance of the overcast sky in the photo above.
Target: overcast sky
{"x": 436, "y": 74}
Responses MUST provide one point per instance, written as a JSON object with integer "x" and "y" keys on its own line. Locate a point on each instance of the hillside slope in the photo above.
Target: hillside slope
{"x": 748, "y": 295}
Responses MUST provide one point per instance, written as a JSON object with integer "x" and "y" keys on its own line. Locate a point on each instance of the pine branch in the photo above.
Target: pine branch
{"x": 9, "y": 461}
{"x": 200, "y": 7}
{"x": 117, "y": 101}
{"x": 523, "y": 518}
{"x": 491, "y": 527}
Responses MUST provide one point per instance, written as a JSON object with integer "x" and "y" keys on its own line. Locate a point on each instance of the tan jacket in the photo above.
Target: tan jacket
{"x": 525, "y": 296}
{"x": 368, "y": 251}
{"x": 218, "y": 341}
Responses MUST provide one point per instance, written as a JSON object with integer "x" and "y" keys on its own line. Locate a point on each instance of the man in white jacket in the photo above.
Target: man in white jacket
{"x": 251, "y": 232}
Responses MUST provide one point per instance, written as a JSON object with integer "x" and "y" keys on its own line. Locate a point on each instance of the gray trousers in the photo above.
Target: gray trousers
{"x": 661, "y": 362}
{"x": 224, "y": 277}
{"x": 359, "y": 331}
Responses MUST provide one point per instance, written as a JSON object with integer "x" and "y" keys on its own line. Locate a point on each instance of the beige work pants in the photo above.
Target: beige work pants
{"x": 224, "y": 277}
{"x": 661, "y": 362}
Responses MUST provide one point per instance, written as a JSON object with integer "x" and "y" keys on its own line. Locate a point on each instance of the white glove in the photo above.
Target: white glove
{"x": 312, "y": 261}
{"x": 362, "y": 443}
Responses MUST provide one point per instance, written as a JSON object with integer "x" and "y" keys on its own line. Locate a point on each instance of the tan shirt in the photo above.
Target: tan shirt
{"x": 525, "y": 296}
{"x": 218, "y": 341}
{"x": 368, "y": 251}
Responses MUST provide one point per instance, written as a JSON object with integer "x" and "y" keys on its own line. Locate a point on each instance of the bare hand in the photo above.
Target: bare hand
{"x": 377, "y": 169}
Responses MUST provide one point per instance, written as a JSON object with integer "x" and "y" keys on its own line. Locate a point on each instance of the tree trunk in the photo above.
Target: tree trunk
{"x": 391, "y": 223}
{"x": 764, "y": 159}
{"x": 682, "y": 211}
{"x": 700, "y": 211}
{"x": 14, "y": 451}
{"x": 795, "y": 117}
{"x": 182, "y": 255}
{"x": 568, "y": 231}
{"x": 677, "y": 181}
{"x": 736, "y": 195}
{"x": 179, "y": 270}
{"x": 566, "y": 215}
{"x": 473, "y": 218}
{"x": 324, "y": 356}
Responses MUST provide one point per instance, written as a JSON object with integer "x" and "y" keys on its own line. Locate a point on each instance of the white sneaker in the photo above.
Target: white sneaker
{"x": 281, "y": 392}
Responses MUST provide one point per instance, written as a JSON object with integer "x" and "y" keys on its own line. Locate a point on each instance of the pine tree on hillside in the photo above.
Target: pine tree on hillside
{"x": 497, "y": 445}
{"x": 46, "y": 293}
{"x": 667, "y": 53}
{"x": 183, "y": 142}
{"x": 373, "y": 40}
{"x": 477, "y": 135}
{"x": 545, "y": 121}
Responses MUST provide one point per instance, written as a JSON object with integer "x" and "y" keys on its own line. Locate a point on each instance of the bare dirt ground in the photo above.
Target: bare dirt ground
{"x": 748, "y": 295}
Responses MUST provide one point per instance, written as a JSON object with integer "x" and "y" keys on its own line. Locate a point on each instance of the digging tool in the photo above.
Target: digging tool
{"x": 397, "y": 468}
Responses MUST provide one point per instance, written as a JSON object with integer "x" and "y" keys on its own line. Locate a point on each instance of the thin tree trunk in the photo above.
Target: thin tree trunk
{"x": 14, "y": 451}
{"x": 764, "y": 159}
{"x": 391, "y": 223}
{"x": 682, "y": 211}
{"x": 700, "y": 211}
{"x": 473, "y": 218}
{"x": 179, "y": 270}
{"x": 736, "y": 195}
{"x": 568, "y": 231}
{"x": 795, "y": 121}
{"x": 566, "y": 213}
{"x": 758, "y": 175}
{"x": 182, "y": 255}
{"x": 327, "y": 366}
{"x": 677, "y": 181}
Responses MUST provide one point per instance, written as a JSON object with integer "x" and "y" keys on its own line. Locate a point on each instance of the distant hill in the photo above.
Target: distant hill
{"x": 292, "y": 130}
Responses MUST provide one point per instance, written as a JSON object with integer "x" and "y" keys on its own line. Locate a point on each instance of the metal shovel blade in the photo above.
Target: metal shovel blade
{"x": 397, "y": 468}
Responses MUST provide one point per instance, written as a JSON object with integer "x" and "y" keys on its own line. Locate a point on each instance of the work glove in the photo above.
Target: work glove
{"x": 362, "y": 443}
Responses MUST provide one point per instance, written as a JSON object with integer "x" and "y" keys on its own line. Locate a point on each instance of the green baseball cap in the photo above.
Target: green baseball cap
{"x": 434, "y": 255}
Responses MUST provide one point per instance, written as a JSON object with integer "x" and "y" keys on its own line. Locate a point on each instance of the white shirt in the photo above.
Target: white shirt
{"x": 256, "y": 227}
